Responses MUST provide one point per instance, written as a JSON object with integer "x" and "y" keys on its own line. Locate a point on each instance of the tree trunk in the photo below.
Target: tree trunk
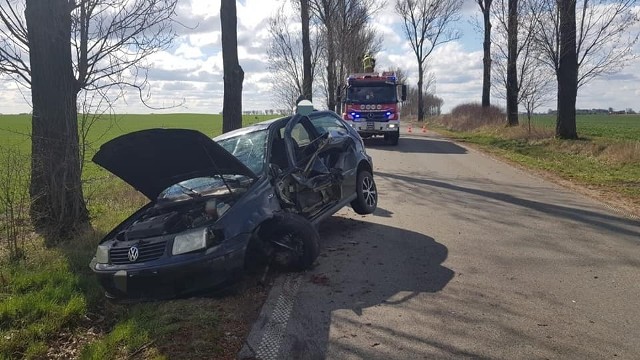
{"x": 331, "y": 70}
{"x": 567, "y": 72}
{"x": 486, "y": 60}
{"x": 512, "y": 72}
{"x": 307, "y": 79}
{"x": 420, "y": 95}
{"x": 57, "y": 202}
{"x": 233, "y": 73}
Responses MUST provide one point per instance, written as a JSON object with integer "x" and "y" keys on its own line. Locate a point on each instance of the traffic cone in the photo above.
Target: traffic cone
{"x": 424, "y": 128}
{"x": 410, "y": 127}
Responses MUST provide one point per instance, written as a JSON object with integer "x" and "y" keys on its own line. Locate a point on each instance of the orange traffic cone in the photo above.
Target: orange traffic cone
{"x": 424, "y": 128}
{"x": 410, "y": 127}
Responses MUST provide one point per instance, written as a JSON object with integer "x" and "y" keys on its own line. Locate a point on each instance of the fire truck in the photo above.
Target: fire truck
{"x": 370, "y": 104}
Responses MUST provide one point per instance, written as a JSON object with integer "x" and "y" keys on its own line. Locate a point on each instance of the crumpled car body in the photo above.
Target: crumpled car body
{"x": 219, "y": 206}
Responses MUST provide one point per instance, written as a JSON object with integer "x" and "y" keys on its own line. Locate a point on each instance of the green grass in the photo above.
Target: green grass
{"x": 606, "y": 158}
{"x": 53, "y": 290}
{"x": 619, "y": 127}
{"x": 38, "y": 299}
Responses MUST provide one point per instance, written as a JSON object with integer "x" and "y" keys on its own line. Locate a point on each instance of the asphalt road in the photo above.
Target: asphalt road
{"x": 468, "y": 257}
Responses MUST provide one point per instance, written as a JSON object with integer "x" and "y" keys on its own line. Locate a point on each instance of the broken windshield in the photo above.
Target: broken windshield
{"x": 384, "y": 94}
{"x": 249, "y": 148}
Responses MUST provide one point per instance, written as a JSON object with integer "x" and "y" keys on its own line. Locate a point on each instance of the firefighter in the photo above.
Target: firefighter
{"x": 369, "y": 63}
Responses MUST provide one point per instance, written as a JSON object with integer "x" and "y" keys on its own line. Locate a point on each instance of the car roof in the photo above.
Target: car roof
{"x": 263, "y": 125}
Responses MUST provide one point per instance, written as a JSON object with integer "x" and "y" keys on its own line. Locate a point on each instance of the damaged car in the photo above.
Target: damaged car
{"x": 219, "y": 206}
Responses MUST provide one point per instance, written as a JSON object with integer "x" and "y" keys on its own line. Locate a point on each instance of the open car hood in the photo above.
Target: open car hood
{"x": 152, "y": 160}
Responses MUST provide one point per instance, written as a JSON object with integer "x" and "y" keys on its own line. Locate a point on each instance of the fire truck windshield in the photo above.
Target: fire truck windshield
{"x": 371, "y": 94}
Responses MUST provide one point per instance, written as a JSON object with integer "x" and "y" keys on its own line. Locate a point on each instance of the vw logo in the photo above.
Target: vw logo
{"x": 133, "y": 253}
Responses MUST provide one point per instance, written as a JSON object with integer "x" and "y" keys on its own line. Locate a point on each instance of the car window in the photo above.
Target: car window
{"x": 300, "y": 135}
{"x": 328, "y": 123}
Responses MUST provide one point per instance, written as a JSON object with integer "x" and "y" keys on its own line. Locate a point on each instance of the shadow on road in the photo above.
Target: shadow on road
{"x": 616, "y": 224}
{"x": 423, "y": 145}
{"x": 362, "y": 265}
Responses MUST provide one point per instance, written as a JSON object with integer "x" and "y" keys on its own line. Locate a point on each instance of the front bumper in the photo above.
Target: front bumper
{"x": 375, "y": 127}
{"x": 182, "y": 274}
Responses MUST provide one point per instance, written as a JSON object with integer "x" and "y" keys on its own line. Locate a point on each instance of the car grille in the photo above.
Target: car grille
{"x": 374, "y": 116}
{"x": 146, "y": 252}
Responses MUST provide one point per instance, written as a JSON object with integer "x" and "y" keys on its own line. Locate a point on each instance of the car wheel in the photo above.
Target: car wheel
{"x": 295, "y": 242}
{"x": 367, "y": 193}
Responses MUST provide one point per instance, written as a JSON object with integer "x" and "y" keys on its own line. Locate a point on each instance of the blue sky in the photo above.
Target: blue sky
{"x": 189, "y": 75}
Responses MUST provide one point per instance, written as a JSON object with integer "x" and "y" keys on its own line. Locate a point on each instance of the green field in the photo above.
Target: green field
{"x": 14, "y": 129}
{"x": 621, "y": 127}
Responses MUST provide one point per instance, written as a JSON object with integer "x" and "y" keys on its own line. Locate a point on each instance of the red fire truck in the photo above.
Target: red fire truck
{"x": 371, "y": 104}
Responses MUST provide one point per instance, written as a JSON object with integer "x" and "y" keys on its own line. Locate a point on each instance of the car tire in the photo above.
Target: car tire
{"x": 392, "y": 139}
{"x": 295, "y": 241}
{"x": 367, "y": 194}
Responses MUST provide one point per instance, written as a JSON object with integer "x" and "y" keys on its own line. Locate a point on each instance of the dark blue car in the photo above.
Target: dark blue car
{"x": 218, "y": 206}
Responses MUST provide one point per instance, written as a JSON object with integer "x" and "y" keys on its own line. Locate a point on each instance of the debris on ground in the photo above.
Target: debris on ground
{"x": 319, "y": 279}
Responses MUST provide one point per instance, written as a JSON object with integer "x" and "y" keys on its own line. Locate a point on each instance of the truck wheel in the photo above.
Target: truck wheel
{"x": 295, "y": 242}
{"x": 367, "y": 199}
{"x": 392, "y": 139}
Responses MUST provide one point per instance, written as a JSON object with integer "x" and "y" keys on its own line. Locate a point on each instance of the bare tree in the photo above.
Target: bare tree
{"x": 346, "y": 38}
{"x": 604, "y": 39}
{"x": 534, "y": 80}
{"x": 427, "y": 24}
{"x": 326, "y": 12}
{"x": 567, "y": 71}
{"x": 485, "y": 7}
{"x": 605, "y": 36}
{"x": 536, "y": 88}
{"x": 286, "y": 59}
{"x": 512, "y": 59}
{"x": 233, "y": 73}
{"x": 307, "y": 79}
{"x": 110, "y": 39}
{"x": 430, "y": 102}
{"x": 98, "y": 44}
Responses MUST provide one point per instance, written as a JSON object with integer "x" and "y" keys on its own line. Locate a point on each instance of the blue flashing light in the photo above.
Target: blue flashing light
{"x": 388, "y": 113}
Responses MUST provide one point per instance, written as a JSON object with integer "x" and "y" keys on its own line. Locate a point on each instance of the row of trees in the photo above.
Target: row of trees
{"x": 339, "y": 32}
{"x": 59, "y": 49}
{"x": 541, "y": 43}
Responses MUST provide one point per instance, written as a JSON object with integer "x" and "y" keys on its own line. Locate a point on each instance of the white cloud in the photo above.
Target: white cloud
{"x": 190, "y": 72}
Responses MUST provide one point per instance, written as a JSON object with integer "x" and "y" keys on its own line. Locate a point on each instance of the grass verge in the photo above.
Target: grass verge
{"x": 605, "y": 166}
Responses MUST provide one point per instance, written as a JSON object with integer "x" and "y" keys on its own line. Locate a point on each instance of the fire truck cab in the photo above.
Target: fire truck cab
{"x": 370, "y": 103}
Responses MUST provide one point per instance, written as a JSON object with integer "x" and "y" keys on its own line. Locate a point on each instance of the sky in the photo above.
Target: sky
{"x": 188, "y": 76}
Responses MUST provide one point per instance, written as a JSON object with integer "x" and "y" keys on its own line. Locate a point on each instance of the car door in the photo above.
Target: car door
{"x": 317, "y": 185}
{"x": 343, "y": 157}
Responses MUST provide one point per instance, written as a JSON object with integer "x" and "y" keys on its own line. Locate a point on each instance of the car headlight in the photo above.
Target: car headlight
{"x": 102, "y": 254}
{"x": 190, "y": 241}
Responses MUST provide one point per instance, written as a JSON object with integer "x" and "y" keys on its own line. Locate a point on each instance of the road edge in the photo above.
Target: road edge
{"x": 269, "y": 329}
{"x": 600, "y": 196}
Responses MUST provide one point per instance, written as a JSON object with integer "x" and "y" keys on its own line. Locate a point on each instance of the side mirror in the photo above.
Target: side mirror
{"x": 404, "y": 92}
